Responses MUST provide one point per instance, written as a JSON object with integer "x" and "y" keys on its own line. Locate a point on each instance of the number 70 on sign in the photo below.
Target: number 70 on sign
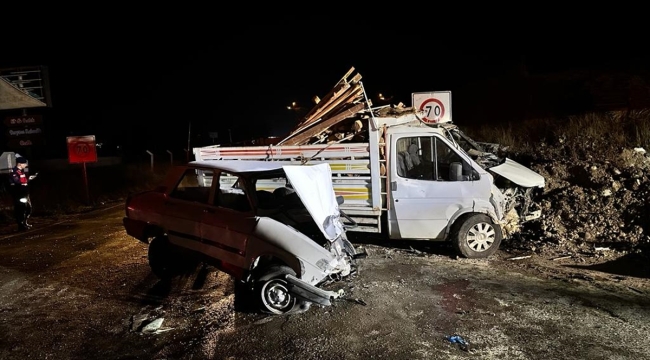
{"x": 81, "y": 149}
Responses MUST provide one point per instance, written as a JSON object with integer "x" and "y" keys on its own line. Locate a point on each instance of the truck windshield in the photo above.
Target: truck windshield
{"x": 465, "y": 142}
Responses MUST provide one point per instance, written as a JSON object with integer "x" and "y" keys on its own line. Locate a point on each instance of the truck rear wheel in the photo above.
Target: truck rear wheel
{"x": 476, "y": 237}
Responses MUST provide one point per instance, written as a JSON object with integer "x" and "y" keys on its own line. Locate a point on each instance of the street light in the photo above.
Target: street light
{"x": 294, "y": 108}
{"x": 384, "y": 98}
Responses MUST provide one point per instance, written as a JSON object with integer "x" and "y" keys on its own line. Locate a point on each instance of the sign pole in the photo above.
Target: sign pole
{"x": 86, "y": 184}
{"x": 82, "y": 149}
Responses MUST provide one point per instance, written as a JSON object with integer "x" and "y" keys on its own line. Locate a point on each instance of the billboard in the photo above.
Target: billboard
{"x": 24, "y": 130}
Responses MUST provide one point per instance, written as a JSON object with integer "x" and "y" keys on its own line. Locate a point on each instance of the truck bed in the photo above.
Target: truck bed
{"x": 355, "y": 173}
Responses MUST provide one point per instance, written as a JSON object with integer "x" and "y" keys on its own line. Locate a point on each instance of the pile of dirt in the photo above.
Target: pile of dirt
{"x": 593, "y": 200}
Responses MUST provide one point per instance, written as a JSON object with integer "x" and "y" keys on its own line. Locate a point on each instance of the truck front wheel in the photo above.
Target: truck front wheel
{"x": 476, "y": 237}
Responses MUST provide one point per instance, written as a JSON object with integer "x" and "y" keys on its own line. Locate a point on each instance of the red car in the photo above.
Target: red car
{"x": 275, "y": 228}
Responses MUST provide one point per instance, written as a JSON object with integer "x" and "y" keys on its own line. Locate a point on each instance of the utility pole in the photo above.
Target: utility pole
{"x": 189, "y": 130}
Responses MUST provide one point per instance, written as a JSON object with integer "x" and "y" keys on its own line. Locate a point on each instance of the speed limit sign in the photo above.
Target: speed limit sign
{"x": 433, "y": 107}
{"x": 81, "y": 149}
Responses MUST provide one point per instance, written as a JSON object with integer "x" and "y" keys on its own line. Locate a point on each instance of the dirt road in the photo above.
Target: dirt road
{"x": 77, "y": 287}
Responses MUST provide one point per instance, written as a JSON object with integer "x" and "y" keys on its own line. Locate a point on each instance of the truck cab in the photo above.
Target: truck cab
{"x": 436, "y": 190}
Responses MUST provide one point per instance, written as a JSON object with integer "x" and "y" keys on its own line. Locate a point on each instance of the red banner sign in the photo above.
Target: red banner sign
{"x": 13, "y": 121}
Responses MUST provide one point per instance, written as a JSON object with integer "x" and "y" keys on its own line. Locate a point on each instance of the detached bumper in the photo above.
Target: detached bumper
{"x": 310, "y": 292}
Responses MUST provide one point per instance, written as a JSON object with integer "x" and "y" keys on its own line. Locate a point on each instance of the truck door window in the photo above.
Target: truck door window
{"x": 415, "y": 158}
{"x": 192, "y": 186}
{"x": 450, "y": 166}
{"x": 429, "y": 158}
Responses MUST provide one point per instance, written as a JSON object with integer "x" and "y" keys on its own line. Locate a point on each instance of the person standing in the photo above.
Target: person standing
{"x": 19, "y": 187}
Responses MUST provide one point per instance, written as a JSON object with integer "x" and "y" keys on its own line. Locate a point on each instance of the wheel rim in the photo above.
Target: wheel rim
{"x": 276, "y": 296}
{"x": 480, "y": 237}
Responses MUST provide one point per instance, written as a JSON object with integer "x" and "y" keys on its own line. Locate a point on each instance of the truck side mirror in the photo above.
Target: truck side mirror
{"x": 340, "y": 200}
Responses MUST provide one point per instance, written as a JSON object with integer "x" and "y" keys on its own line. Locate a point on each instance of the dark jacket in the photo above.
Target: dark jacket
{"x": 19, "y": 182}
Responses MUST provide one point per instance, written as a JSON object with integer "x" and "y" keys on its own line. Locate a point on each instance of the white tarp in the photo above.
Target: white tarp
{"x": 14, "y": 98}
{"x": 313, "y": 183}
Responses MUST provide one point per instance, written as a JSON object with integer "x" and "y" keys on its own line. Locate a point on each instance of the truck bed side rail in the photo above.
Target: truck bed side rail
{"x": 351, "y": 172}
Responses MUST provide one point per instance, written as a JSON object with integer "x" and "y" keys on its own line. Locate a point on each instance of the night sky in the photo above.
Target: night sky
{"x": 145, "y": 85}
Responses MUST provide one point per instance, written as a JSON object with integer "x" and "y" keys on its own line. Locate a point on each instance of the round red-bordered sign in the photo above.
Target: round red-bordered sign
{"x": 81, "y": 149}
{"x": 434, "y": 109}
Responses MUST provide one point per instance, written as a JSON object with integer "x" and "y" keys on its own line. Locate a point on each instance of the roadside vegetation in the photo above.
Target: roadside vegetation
{"x": 574, "y": 136}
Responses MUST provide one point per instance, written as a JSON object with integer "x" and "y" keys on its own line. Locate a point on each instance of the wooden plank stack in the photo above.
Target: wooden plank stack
{"x": 323, "y": 123}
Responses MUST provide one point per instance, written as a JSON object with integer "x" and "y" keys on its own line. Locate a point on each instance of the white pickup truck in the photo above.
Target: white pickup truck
{"x": 412, "y": 180}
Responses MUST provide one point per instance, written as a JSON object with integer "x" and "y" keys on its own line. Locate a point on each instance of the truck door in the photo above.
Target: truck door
{"x": 429, "y": 183}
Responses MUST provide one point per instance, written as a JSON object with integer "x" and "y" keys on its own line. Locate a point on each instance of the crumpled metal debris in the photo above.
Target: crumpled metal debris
{"x": 357, "y": 301}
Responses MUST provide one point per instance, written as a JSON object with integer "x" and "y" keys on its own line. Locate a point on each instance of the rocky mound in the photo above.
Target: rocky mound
{"x": 597, "y": 201}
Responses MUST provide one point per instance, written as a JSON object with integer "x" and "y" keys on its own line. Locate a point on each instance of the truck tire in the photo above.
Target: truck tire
{"x": 273, "y": 292}
{"x": 476, "y": 236}
{"x": 160, "y": 258}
